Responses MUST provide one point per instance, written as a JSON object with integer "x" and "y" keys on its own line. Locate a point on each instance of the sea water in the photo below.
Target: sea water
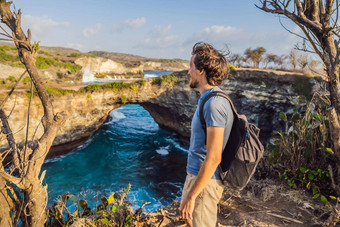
{"x": 89, "y": 78}
{"x": 128, "y": 149}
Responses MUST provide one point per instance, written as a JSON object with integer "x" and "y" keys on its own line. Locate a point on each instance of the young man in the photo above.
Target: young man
{"x": 203, "y": 188}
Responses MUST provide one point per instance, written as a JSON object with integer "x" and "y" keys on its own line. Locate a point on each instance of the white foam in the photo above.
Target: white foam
{"x": 115, "y": 116}
{"x": 55, "y": 159}
{"x": 147, "y": 75}
{"x": 163, "y": 150}
{"x": 88, "y": 77}
{"x": 176, "y": 144}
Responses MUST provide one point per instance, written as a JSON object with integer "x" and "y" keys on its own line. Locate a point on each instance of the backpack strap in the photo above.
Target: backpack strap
{"x": 201, "y": 115}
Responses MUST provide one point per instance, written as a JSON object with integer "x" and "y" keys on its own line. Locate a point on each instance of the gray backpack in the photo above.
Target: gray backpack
{"x": 243, "y": 150}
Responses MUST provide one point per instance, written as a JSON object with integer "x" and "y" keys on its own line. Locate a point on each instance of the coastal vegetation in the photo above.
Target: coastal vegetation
{"x": 44, "y": 60}
{"x": 304, "y": 155}
{"x": 169, "y": 80}
{"x": 112, "y": 211}
{"x": 318, "y": 22}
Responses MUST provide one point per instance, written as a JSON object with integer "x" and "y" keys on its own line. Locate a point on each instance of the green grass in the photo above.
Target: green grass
{"x": 169, "y": 79}
{"x": 45, "y": 63}
{"x": 26, "y": 79}
{"x": 5, "y": 48}
{"x": 115, "y": 86}
{"x": 10, "y": 59}
{"x": 123, "y": 99}
{"x": 4, "y": 57}
{"x": 58, "y": 92}
{"x": 72, "y": 67}
{"x": 12, "y": 79}
{"x": 75, "y": 55}
{"x": 44, "y": 53}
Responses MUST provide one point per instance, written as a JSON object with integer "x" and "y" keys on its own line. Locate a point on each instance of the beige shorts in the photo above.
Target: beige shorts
{"x": 205, "y": 210}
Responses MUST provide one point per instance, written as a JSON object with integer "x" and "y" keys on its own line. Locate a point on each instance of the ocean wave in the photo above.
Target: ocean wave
{"x": 59, "y": 158}
{"x": 163, "y": 150}
{"x": 176, "y": 144}
{"x": 115, "y": 116}
{"x": 150, "y": 75}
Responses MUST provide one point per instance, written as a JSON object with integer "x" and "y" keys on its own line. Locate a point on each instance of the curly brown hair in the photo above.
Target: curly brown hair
{"x": 210, "y": 60}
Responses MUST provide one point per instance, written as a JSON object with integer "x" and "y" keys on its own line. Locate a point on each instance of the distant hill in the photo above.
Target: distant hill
{"x": 66, "y": 64}
{"x": 130, "y": 60}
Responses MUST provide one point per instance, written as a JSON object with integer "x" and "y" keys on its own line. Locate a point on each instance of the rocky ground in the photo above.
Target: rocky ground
{"x": 262, "y": 203}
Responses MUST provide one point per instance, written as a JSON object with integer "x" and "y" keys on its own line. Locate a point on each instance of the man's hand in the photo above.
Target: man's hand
{"x": 186, "y": 209}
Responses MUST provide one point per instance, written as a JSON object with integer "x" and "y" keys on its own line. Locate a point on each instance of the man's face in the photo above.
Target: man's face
{"x": 195, "y": 74}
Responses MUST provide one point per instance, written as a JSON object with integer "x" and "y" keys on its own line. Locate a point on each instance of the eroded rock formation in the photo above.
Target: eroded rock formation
{"x": 260, "y": 95}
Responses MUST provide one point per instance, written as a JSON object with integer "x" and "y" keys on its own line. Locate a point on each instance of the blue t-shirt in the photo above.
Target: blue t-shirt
{"x": 217, "y": 112}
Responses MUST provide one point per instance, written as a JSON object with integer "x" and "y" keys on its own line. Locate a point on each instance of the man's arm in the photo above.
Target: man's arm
{"x": 215, "y": 137}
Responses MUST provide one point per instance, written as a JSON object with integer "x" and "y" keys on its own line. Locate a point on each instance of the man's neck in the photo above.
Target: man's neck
{"x": 204, "y": 87}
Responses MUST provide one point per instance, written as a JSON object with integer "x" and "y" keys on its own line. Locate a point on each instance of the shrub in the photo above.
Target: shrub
{"x": 231, "y": 68}
{"x": 141, "y": 82}
{"x": 115, "y": 86}
{"x": 12, "y": 79}
{"x": 44, "y": 53}
{"x": 45, "y": 63}
{"x": 302, "y": 154}
{"x": 5, "y": 48}
{"x": 58, "y": 92}
{"x": 18, "y": 65}
{"x": 123, "y": 99}
{"x": 112, "y": 211}
{"x": 74, "y": 55}
{"x": 4, "y": 57}
{"x": 72, "y": 67}
{"x": 169, "y": 79}
{"x": 303, "y": 86}
{"x": 26, "y": 79}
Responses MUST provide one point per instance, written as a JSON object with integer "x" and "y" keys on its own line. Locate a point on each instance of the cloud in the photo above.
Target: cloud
{"x": 216, "y": 34}
{"x": 130, "y": 23}
{"x": 41, "y": 25}
{"x": 160, "y": 37}
{"x": 239, "y": 39}
{"x": 135, "y": 23}
{"x": 91, "y": 31}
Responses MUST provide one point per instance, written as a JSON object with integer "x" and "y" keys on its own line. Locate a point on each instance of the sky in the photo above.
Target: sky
{"x": 155, "y": 28}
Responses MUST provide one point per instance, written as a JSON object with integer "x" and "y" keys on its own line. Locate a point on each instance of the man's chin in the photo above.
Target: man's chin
{"x": 193, "y": 84}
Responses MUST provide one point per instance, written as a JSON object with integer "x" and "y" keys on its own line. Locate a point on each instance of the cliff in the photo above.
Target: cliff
{"x": 100, "y": 65}
{"x": 68, "y": 65}
{"x": 259, "y": 94}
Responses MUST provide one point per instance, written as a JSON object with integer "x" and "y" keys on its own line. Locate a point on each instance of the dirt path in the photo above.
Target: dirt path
{"x": 262, "y": 203}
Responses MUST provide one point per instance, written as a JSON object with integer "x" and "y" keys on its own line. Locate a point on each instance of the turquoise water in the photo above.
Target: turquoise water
{"x": 129, "y": 148}
{"x": 151, "y": 74}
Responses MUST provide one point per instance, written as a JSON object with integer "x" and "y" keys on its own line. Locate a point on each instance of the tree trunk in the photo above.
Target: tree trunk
{"x": 36, "y": 202}
{"x": 30, "y": 203}
{"x": 5, "y": 219}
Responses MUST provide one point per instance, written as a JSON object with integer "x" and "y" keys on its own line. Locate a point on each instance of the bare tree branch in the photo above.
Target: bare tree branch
{"x": 8, "y": 132}
{"x": 10, "y": 93}
{"x": 10, "y": 178}
{"x": 28, "y": 121}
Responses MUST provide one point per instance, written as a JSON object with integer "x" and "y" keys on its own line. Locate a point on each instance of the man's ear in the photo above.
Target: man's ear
{"x": 202, "y": 72}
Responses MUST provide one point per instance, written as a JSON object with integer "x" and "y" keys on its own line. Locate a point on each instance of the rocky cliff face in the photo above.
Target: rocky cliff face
{"x": 100, "y": 65}
{"x": 165, "y": 66}
{"x": 260, "y": 95}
